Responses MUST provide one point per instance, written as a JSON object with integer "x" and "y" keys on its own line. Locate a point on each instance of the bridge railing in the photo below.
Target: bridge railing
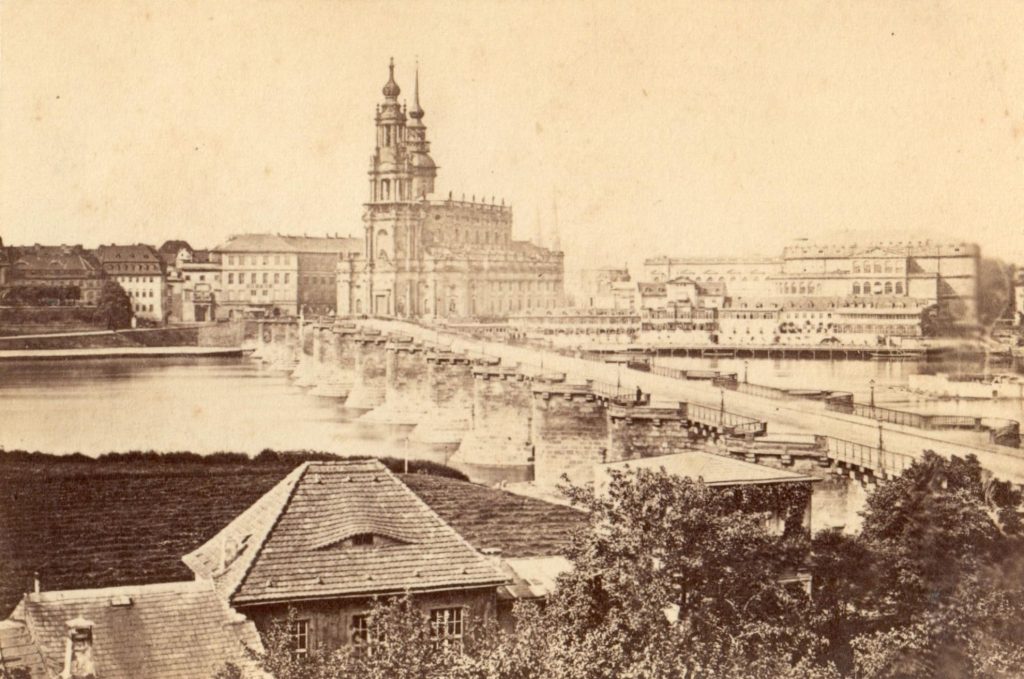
{"x": 867, "y": 457}
{"x": 725, "y": 420}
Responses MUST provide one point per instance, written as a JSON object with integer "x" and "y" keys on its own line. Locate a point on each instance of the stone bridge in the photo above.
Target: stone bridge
{"x": 489, "y": 404}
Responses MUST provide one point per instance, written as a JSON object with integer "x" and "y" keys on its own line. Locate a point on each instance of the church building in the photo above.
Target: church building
{"x": 429, "y": 257}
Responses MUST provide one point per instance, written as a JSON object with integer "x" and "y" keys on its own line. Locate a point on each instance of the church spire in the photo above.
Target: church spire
{"x": 417, "y": 111}
{"x": 555, "y": 243}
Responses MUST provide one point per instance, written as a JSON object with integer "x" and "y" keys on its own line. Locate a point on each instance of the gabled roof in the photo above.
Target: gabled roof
{"x": 294, "y": 543}
{"x": 175, "y": 630}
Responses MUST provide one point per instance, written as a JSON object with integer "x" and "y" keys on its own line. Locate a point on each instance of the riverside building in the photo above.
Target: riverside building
{"x": 140, "y": 271}
{"x": 930, "y": 273}
{"x": 436, "y": 258}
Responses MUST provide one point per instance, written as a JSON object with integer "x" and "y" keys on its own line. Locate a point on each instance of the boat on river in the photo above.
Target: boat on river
{"x": 968, "y": 385}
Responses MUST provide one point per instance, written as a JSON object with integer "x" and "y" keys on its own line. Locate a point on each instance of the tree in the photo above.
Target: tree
{"x": 114, "y": 307}
{"x": 673, "y": 578}
{"x": 932, "y": 585}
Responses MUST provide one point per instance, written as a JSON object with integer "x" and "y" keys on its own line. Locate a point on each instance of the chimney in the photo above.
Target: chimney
{"x": 78, "y": 662}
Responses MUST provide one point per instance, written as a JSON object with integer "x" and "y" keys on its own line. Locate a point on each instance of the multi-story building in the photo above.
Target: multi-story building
{"x": 424, "y": 257}
{"x": 70, "y": 267}
{"x": 606, "y": 288}
{"x": 140, "y": 271}
{"x": 195, "y": 285}
{"x": 273, "y": 275}
{"x": 943, "y": 274}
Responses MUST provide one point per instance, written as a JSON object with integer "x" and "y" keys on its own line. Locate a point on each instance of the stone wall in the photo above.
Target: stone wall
{"x": 450, "y": 393}
{"x": 369, "y": 372}
{"x": 569, "y": 432}
{"x": 501, "y": 415}
{"x": 641, "y": 431}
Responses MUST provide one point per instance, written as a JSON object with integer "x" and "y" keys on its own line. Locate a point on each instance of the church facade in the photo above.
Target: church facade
{"x": 428, "y": 257}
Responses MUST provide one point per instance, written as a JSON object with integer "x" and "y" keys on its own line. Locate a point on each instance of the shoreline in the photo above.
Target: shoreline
{"x": 120, "y": 352}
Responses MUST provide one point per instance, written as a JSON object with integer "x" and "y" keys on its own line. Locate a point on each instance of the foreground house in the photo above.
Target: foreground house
{"x": 329, "y": 538}
{"x": 177, "y": 630}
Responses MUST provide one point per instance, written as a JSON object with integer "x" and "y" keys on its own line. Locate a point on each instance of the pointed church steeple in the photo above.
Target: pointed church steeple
{"x": 417, "y": 111}
{"x": 555, "y": 242}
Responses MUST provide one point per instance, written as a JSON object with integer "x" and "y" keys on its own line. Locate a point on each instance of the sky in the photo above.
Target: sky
{"x": 700, "y": 128}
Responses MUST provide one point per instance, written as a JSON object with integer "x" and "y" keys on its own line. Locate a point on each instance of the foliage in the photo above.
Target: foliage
{"x": 932, "y": 585}
{"x": 114, "y": 307}
{"x": 995, "y": 290}
{"x": 40, "y": 295}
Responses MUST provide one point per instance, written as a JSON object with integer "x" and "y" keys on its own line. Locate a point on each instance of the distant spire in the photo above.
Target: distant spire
{"x": 417, "y": 111}
{"x": 539, "y": 236}
{"x": 556, "y": 240}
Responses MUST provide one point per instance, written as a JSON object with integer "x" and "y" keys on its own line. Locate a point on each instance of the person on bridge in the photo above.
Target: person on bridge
{"x": 639, "y": 394}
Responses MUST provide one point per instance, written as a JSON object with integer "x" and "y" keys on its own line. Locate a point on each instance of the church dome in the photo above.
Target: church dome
{"x": 391, "y": 89}
{"x": 422, "y": 160}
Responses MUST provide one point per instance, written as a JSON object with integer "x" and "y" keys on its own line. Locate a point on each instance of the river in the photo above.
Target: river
{"x": 211, "y": 405}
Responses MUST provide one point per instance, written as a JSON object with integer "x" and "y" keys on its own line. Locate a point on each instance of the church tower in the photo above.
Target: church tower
{"x": 401, "y": 177}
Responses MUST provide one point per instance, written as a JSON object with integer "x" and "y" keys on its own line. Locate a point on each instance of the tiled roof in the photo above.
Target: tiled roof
{"x": 51, "y": 259}
{"x": 714, "y": 470}
{"x": 491, "y": 518}
{"x": 314, "y": 244}
{"x": 295, "y": 541}
{"x": 269, "y": 242}
{"x": 651, "y": 288}
{"x": 18, "y": 652}
{"x": 169, "y": 631}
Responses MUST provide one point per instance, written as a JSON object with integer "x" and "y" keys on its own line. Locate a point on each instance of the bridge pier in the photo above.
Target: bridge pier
{"x": 450, "y": 392}
{"x": 501, "y": 412}
{"x": 307, "y": 348}
{"x": 406, "y": 399}
{"x": 369, "y": 371}
{"x": 569, "y": 432}
{"x": 646, "y": 431}
{"x": 333, "y": 380}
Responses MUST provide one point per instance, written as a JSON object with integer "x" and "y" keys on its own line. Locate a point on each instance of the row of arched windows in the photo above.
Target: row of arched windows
{"x": 878, "y": 288}
{"x": 801, "y": 288}
{"x": 878, "y": 266}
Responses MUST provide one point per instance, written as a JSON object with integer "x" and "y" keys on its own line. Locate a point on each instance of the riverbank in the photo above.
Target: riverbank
{"x": 124, "y": 343}
{"x": 120, "y": 352}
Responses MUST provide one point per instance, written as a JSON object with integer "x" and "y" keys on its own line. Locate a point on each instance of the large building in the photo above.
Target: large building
{"x": 941, "y": 274}
{"x": 424, "y": 257}
{"x": 275, "y": 275}
{"x": 141, "y": 272}
{"x": 65, "y": 268}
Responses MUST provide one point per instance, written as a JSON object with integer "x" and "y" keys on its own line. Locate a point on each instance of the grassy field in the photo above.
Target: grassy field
{"x": 124, "y": 519}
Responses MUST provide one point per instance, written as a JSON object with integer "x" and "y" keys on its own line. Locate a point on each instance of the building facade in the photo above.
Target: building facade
{"x": 57, "y": 266}
{"x": 424, "y": 257}
{"x": 140, "y": 271}
{"x": 941, "y": 274}
{"x": 275, "y": 275}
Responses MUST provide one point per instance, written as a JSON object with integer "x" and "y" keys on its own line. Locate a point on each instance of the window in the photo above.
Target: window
{"x": 446, "y": 625}
{"x": 266, "y": 277}
{"x": 359, "y": 631}
{"x": 286, "y": 276}
{"x": 277, "y": 278}
{"x": 231, "y": 278}
{"x": 300, "y": 636}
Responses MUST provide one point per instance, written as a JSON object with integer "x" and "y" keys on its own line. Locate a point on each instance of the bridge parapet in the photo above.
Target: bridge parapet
{"x": 569, "y": 431}
{"x": 640, "y": 430}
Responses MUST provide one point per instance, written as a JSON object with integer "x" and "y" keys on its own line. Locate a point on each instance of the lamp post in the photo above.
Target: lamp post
{"x": 746, "y": 368}
{"x": 872, "y": 385}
